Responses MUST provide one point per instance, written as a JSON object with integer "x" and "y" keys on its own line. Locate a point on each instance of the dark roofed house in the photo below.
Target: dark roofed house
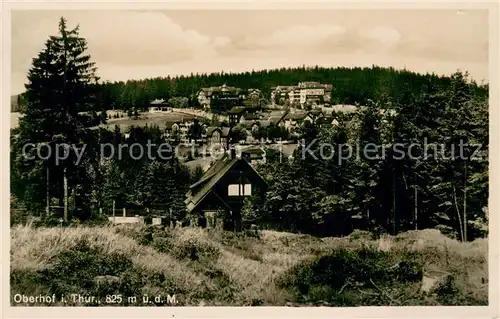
{"x": 217, "y": 198}
{"x": 314, "y": 116}
{"x": 223, "y": 92}
{"x": 292, "y": 120}
{"x": 217, "y": 135}
{"x": 327, "y": 120}
{"x": 171, "y": 128}
{"x": 249, "y": 118}
{"x": 235, "y": 114}
{"x": 254, "y": 155}
{"x": 214, "y": 135}
{"x": 316, "y": 113}
{"x": 254, "y": 93}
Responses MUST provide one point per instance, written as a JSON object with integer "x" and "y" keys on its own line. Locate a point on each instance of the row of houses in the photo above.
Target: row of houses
{"x": 303, "y": 93}
{"x": 290, "y": 119}
{"x": 300, "y": 95}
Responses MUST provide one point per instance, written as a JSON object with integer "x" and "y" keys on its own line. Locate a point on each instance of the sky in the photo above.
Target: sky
{"x": 144, "y": 44}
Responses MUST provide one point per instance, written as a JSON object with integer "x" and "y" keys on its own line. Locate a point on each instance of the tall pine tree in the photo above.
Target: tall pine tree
{"x": 61, "y": 84}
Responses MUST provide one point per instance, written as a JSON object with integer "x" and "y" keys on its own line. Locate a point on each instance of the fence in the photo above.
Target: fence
{"x": 156, "y": 216}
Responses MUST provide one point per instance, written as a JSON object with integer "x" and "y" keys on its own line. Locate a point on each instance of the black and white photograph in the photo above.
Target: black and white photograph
{"x": 333, "y": 158}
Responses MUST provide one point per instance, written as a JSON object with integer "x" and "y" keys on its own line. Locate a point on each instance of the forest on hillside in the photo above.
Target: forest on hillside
{"x": 350, "y": 85}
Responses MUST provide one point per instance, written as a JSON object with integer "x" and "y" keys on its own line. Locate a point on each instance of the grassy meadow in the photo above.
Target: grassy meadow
{"x": 264, "y": 268}
{"x": 124, "y": 122}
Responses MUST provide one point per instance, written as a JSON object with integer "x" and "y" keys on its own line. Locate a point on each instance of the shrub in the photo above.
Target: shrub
{"x": 89, "y": 263}
{"x": 361, "y": 234}
{"x": 252, "y": 233}
{"x": 162, "y": 245}
{"x": 195, "y": 250}
{"x": 341, "y": 270}
{"x": 23, "y": 280}
{"x": 145, "y": 238}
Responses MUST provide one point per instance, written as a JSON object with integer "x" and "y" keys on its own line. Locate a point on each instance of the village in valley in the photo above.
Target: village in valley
{"x": 254, "y": 124}
{"x": 291, "y": 184}
{"x": 285, "y": 110}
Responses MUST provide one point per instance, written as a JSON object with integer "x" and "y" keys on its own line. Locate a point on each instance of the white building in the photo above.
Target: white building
{"x": 304, "y": 92}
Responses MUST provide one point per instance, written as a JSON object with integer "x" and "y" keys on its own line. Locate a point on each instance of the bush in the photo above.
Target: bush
{"x": 89, "y": 263}
{"x": 322, "y": 277}
{"x": 195, "y": 250}
{"x": 447, "y": 293}
{"x": 361, "y": 234}
{"x": 162, "y": 245}
{"x": 255, "y": 233}
{"x": 22, "y": 280}
{"x": 145, "y": 238}
{"x": 194, "y": 245}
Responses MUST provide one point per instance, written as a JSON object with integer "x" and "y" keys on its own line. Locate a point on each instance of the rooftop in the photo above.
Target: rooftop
{"x": 237, "y": 110}
{"x": 157, "y": 101}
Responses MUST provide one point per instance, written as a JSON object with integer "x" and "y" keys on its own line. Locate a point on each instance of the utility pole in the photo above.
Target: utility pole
{"x": 465, "y": 192}
{"x": 465, "y": 202}
{"x": 47, "y": 207}
{"x": 393, "y": 201}
{"x": 65, "y": 195}
{"x": 416, "y": 208}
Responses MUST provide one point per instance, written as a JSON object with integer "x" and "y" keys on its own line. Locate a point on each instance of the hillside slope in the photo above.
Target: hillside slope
{"x": 268, "y": 268}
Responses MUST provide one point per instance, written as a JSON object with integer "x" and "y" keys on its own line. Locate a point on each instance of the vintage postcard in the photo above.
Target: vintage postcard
{"x": 297, "y": 160}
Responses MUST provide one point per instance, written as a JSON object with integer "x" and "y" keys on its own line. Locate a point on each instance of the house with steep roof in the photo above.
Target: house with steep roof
{"x": 293, "y": 120}
{"x": 254, "y": 154}
{"x": 217, "y": 135}
{"x": 216, "y": 200}
{"x": 235, "y": 115}
{"x": 253, "y": 93}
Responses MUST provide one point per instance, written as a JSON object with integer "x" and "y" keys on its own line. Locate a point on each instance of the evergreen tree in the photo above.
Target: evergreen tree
{"x": 61, "y": 83}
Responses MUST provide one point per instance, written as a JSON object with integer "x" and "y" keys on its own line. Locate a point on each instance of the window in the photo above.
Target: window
{"x": 239, "y": 190}
{"x": 233, "y": 190}
{"x": 247, "y": 190}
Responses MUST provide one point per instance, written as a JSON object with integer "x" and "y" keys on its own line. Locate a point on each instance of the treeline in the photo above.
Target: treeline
{"x": 114, "y": 170}
{"x": 333, "y": 194}
{"x": 350, "y": 85}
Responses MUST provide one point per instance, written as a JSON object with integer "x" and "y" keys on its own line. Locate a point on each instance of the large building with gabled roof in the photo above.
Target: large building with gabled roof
{"x": 217, "y": 198}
